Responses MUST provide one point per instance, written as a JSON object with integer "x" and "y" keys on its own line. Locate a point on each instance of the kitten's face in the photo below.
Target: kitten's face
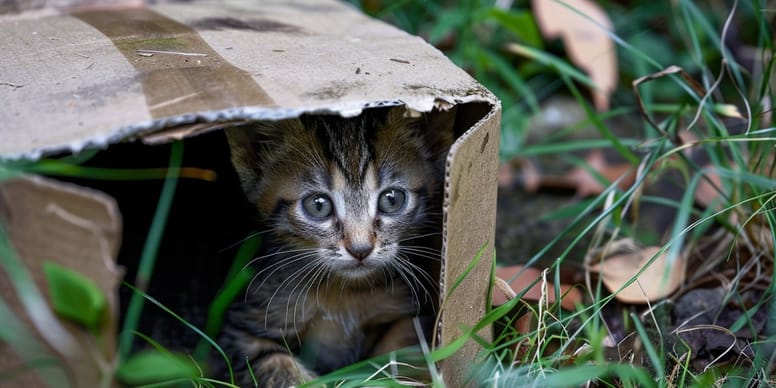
{"x": 346, "y": 192}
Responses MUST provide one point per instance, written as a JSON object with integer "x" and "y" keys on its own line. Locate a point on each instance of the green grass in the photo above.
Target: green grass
{"x": 651, "y": 36}
{"x": 565, "y": 348}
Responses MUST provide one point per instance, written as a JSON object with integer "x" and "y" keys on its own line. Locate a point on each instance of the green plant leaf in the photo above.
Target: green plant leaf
{"x": 75, "y": 297}
{"x": 153, "y": 367}
{"x": 520, "y": 23}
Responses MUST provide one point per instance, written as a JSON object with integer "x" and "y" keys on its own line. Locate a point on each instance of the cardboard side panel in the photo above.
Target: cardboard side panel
{"x": 80, "y": 230}
{"x": 470, "y": 219}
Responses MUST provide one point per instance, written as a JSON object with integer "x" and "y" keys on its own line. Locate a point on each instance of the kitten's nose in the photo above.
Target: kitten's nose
{"x": 359, "y": 251}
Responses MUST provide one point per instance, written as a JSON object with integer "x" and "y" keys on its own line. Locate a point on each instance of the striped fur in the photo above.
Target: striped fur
{"x": 353, "y": 210}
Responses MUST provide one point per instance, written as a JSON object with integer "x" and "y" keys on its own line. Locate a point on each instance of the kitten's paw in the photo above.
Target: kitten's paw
{"x": 278, "y": 371}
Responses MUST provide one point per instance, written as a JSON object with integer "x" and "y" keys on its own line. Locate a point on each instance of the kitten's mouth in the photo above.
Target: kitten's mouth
{"x": 357, "y": 269}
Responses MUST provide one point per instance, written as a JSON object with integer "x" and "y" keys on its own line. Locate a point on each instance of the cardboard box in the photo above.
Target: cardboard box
{"x": 86, "y": 76}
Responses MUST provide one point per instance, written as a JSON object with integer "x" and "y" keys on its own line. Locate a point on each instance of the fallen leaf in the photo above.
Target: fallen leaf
{"x": 520, "y": 278}
{"x": 584, "y": 28}
{"x": 707, "y": 191}
{"x": 623, "y": 260}
{"x": 588, "y": 184}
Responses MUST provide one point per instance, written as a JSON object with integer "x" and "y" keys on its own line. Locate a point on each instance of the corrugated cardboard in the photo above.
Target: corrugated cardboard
{"x": 79, "y": 229}
{"x": 85, "y": 77}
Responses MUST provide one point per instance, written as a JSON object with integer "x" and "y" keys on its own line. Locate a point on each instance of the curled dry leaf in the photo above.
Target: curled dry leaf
{"x": 623, "y": 260}
{"x": 513, "y": 284}
{"x": 584, "y": 28}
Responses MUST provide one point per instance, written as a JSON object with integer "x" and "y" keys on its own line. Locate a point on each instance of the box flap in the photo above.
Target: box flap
{"x": 83, "y": 78}
{"x": 79, "y": 229}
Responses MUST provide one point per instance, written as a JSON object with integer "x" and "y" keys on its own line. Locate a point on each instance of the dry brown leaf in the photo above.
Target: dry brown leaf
{"x": 707, "y": 191}
{"x": 583, "y": 27}
{"x": 623, "y": 260}
{"x": 570, "y": 296}
{"x": 587, "y": 184}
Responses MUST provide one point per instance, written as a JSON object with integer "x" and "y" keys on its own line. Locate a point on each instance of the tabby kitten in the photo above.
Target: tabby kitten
{"x": 353, "y": 208}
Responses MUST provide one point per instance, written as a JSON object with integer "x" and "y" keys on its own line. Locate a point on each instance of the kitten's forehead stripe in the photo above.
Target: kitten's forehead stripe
{"x": 347, "y": 143}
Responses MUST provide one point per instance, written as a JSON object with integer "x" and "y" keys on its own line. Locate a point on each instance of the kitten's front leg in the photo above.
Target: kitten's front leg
{"x": 279, "y": 370}
{"x": 260, "y": 342}
{"x": 271, "y": 365}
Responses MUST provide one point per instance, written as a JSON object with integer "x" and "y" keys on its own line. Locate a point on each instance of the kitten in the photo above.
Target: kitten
{"x": 353, "y": 208}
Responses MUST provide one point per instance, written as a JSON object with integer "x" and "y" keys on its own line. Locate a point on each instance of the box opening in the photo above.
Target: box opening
{"x": 207, "y": 223}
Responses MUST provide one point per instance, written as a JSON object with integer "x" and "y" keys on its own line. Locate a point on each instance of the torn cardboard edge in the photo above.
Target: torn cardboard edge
{"x": 268, "y": 61}
{"x": 178, "y": 128}
{"x": 191, "y": 124}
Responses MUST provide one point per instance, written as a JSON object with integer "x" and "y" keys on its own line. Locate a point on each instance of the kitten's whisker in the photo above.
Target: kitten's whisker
{"x": 276, "y": 268}
{"x": 422, "y": 255}
{"x": 401, "y": 271}
{"x": 280, "y": 287}
{"x": 312, "y": 274}
{"x": 316, "y": 280}
{"x": 417, "y": 269}
{"x": 418, "y": 236}
{"x": 283, "y": 263}
{"x": 420, "y": 248}
{"x": 386, "y": 270}
{"x": 254, "y": 260}
{"x": 406, "y": 265}
{"x": 246, "y": 238}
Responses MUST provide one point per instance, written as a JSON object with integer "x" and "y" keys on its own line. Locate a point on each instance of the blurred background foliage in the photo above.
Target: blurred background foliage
{"x": 650, "y": 36}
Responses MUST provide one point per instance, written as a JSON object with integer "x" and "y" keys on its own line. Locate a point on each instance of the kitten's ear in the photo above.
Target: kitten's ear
{"x": 246, "y": 144}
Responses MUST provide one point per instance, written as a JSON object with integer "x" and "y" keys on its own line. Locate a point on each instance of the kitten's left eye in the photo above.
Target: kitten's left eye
{"x": 391, "y": 201}
{"x": 317, "y": 206}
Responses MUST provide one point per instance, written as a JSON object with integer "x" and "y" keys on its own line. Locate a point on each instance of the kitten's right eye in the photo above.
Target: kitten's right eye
{"x": 317, "y": 206}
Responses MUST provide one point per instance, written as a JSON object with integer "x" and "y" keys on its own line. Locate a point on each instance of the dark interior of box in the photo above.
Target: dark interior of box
{"x": 207, "y": 222}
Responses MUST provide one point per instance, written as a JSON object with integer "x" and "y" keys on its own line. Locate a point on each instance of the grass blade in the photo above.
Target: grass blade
{"x": 150, "y": 249}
